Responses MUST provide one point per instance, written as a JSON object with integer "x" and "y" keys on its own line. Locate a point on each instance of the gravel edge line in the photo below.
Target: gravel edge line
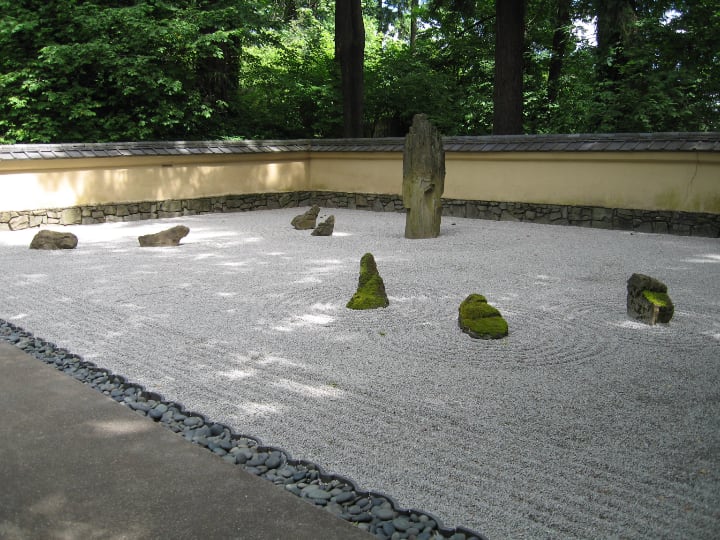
{"x": 371, "y": 511}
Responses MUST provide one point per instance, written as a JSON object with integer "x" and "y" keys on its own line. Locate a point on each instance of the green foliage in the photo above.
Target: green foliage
{"x": 286, "y": 83}
{"x": 198, "y": 69}
{"x": 85, "y": 72}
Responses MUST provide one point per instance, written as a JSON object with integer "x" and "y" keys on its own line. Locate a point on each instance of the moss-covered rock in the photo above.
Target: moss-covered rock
{"x": 480, "y": 320}
{"x": 648, "y": 300}
{"x": 371, "y": 289}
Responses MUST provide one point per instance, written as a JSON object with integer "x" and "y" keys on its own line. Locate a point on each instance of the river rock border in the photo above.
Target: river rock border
{"x": 650, "y": 221}
{"x": 373, "y": 512}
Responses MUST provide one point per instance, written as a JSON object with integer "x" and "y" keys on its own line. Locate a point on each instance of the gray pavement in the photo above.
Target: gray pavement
{"x": 77, "y": 465}
{"x": 580, "y": 424}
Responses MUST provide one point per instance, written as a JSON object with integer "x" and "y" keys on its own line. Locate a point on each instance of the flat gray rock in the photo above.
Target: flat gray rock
{"x": 168, "y": 237}
{"x": 54, "y": 240}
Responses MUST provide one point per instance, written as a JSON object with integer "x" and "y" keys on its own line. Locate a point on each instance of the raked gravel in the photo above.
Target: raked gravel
{"x": 580, "y": 424}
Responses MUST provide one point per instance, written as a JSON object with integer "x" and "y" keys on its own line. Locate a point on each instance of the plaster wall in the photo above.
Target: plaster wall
{"x": 674, "y": 181}
{"x": 356, "y": 172}
{"x": 687, "y": 182}
{"x": 77, "y": 182}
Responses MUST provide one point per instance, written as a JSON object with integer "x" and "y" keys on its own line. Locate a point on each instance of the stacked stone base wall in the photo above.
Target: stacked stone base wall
{"x": 679, "y": 223}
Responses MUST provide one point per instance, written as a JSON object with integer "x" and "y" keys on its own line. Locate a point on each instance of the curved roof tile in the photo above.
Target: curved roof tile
{"x": 632, "y": 142}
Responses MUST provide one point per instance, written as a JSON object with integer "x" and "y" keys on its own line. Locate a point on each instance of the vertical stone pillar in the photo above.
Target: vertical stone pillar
{"x": 423, "y": 179}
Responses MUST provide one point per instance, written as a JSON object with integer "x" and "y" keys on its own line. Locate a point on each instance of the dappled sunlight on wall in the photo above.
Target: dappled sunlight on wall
{"x": 28, "y": 190}
{"x": 125, "y": 180}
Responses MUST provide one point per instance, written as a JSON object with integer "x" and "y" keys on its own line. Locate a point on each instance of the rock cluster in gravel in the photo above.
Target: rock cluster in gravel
{"x": 373, "y": 512}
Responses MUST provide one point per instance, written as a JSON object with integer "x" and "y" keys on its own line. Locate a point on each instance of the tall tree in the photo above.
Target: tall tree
{"x": 509, "y": 45}
{"x": 413, "y": 22}
{"x": 615, "y": 23}
{"x": 350, "y": 55}
{"x": 561, "y": 38}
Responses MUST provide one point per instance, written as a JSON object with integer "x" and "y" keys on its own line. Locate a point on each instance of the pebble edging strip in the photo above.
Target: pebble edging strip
{"x": 373, "y": 512}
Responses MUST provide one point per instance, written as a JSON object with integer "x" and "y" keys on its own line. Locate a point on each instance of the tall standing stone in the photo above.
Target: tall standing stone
{"x": 423, "y": 179}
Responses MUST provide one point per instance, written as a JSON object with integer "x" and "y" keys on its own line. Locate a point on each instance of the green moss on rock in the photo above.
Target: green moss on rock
{"x": 659, "y": 299}
{"x": 480, "y": 320}
{"x": 371, "y": 289}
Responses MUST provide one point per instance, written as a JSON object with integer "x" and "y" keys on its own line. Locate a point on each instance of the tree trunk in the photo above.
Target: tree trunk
{"x": 289, "y": 11}
{"x": 508, "y": 91}
{"x": 350, "y": 55}
{"x": 559, "y": 48}
{"x": 382, "y": 25}
{"x": 615, "y": 20}
{"x": 413, "y": 22}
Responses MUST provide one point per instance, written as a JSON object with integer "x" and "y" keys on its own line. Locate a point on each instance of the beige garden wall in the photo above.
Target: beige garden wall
{"x": 27, "y": 185}
{"x": 678, "y": 181}
{"x": 649, "y": 181}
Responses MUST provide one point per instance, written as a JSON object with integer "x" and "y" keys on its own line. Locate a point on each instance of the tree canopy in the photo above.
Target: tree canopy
{"x": 111, "y": 70}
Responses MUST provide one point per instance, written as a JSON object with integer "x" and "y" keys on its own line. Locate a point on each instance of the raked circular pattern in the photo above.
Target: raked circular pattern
{"x": 581, "y": 423}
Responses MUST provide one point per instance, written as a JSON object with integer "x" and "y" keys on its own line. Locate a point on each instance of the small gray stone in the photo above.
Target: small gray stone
{"x": 401, "y": 523}
{"x": 257, "y": 459}
{"x": 161, "y": 407}
{"x": 273, "y": 462}
{"x": 314, "y": 492}
{"x": 217, "y": 429}
{"x": 192, "y": 421}
{"x": 383, "y": 513}
{"x": 344, "y": 497}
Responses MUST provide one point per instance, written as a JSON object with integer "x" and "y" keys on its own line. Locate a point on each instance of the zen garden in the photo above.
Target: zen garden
{"x": 442, "y": 269}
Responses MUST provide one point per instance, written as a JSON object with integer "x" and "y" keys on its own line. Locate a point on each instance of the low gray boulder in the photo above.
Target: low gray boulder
{"x": 307, "y": 220}
{"x": 168, "y": 237}
{"x": 54, "y": 240}
{"x": 325, "y": 228}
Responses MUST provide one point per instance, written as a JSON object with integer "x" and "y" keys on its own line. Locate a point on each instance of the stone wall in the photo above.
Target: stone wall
{"x": 679, "y": 223}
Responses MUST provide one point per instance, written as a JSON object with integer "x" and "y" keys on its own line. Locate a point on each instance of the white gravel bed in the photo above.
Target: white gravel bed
{"x": 579, "y": 424}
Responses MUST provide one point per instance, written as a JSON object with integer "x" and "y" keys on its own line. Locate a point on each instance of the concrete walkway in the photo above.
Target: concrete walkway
{"x": 75, "y": 464}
